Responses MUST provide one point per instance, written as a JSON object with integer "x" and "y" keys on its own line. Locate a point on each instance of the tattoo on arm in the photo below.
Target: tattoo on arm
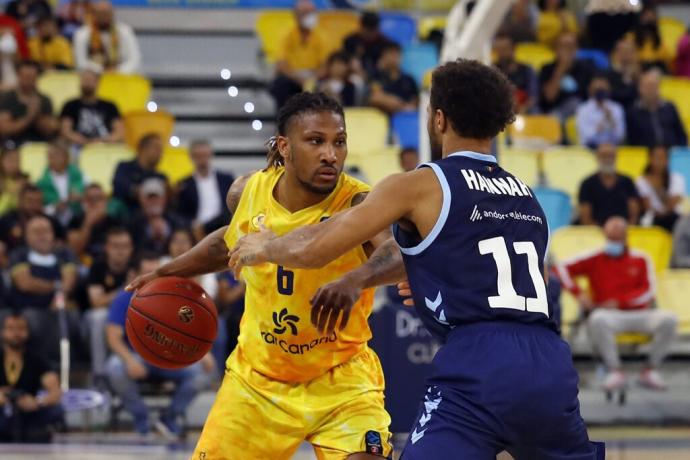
{"x": 358, "y": 198}
{"x": 232, "y": 200}
{"x": 218, "y": 249}
{"x": 385, "y": 266}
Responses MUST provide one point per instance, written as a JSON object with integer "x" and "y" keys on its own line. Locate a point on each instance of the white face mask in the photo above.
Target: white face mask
{"x": 309, "y": 21}
{"x": 8, "y": 45}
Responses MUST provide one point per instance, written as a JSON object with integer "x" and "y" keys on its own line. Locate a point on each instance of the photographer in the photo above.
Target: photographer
{"x": 29, "y": 390}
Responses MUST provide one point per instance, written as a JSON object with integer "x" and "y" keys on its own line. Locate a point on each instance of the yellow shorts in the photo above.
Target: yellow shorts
{"x": 339, "y": 413}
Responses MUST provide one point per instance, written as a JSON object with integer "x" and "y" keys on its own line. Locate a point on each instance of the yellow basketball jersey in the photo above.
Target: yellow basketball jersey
{"x": 277, "y": 338}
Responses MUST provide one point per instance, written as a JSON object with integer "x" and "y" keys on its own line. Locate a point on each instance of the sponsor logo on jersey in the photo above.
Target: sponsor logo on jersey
{"x": 476, "y": 215}
{"x": 284, "y": 322}
{"x": 258, "y": 221}
{"x": 372, "y": 439}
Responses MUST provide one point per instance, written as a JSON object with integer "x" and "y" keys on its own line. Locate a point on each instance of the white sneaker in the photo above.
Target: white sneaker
{"x": 614, "y": 380}
{"x": 651, "y": 379}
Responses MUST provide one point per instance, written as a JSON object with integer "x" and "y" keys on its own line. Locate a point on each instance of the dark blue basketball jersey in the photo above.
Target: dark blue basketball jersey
{"x": 484, "y": 258}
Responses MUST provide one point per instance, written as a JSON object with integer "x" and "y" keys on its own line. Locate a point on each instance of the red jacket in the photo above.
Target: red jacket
{"x": 628, "y": 279}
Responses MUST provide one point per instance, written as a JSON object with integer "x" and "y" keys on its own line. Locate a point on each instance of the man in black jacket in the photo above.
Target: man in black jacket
{"x": 201, "y": 196}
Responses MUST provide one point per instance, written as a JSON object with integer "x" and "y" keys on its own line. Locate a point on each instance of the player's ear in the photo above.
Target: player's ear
{"x": 283, "y": 145}
{"x": 440, "y": 121}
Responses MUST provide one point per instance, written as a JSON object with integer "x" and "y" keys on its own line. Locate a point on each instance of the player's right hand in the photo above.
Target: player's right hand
{"x": 405, "y": 291}
{"x": 140, "y": 281}
{"x": 136, "y": 370}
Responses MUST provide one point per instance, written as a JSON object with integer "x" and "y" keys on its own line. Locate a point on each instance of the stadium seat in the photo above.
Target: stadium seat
{"x": 405, "y": 127}
{"x": 60, "y": 87}
{"x": 573, "y": 241}
{"x": 597, "y": 57}
{"x": 98, "y": 162}
{"x": 175, "y": 163}
{"x": 426, "y": 81}
{"x": 671, "y": 30}
{"x": 419, "y": 58}
{"x": 140, "y": 123}
{"x": 523, "y": 163}
{"x": 271, "y": 26}
{"x": 631, "y": 161}
{"x": 535, "y": 130}
{"x": 677, "y": 90}
{"x": 337, "y": 25}
{"x": 571, "y": 131}
{"x": 680, "y": 163}
{"x": 428, "y": 24}
{"x": 368, "y": 130}
{"x": 129, "y": 92}
{"x": 534, "y": 55}
{"x": 556, "y": 205}
{"x": 33, "y": 159}
{"x": 377, "y": 164}
{"x": 398, "y": 27}
{"x": 672, "y": 294}
{"x": 566, "y": 167}
{"x": 655, "y": 242}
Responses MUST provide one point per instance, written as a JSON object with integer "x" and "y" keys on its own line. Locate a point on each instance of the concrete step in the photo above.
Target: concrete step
{"x": 196, "y": 102}
{"x": 227, "y": 137}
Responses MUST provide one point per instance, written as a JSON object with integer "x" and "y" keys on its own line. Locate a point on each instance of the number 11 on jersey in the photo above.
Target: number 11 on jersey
{"x": 507, "y": 297}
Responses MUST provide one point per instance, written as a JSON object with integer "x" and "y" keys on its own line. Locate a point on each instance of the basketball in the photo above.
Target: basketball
{"x": 171, "y": 322}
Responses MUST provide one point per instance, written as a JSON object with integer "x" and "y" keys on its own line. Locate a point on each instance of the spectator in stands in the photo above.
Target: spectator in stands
{"x": 86, "y": 232}
{"x": 609, "y": 20}
{"x": 650, "y": 47}
{"x": 303, "y": 56}
{"x": 682, "y": 63}
{"x": 125, "y": 368}
{"x": 28, "y": 12}
{"x": 409, "y": 159}
{"x": 107, "y": 277}
{"x": 30, "y": 395}
{"x": 681, "y": 243}
{"x": 653, "y": 120}
{"x": 621, "y": 298}
{"x": 62, "y": 183}
{"x": 90, "y": 119}
{"x": 201, "y": 196}
{"x": 336, "y": 82}
{"x": 600, "y": 120}
{"x": 38, "y": 271}
{"x": 12, "y": 38}
{"x": 624, "y": 74}
{"x": 555, "y": 19}
{"x": 182, "y": 240}
{"x": 105, "y": 44}
{"x": 30, "y": 204}
{"x": 50, "y": 49}
{"x": 392, "y": 90}
{"x": 606, "y": 193}
{"x": 12, "y": 179}
{"x": 130, "y": 174}
{"x": 153, "y": 225}
{"x": 367, "y": 43}
{"x": 564, "y": 82}
{"x": 26, "y": 114}
{"x": 520, "y": 75}
{"x": 521, "y": 21}
{"x": 662, "y": 191}
{"x": 72, "y": 15}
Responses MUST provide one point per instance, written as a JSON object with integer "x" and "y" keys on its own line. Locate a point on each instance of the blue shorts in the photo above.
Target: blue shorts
{"x": 502, "y": 386}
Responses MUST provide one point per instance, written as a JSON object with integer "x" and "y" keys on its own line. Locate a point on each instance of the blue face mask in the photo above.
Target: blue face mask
{"x": 614, "y": 248}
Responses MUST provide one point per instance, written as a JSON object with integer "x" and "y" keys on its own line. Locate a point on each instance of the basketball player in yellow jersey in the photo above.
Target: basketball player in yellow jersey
{"x": 295, "y": 376}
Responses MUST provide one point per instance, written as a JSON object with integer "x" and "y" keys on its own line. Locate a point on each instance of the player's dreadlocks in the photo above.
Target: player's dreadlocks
{"x": 298, "y": 105}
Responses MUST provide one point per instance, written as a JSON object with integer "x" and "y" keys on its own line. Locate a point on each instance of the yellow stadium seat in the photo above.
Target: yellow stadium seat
{"x": 677, "y": 90}
{"x": 535, "y": 130}
{"x": 523, "y": 163}
{"x": 426, "y": 81}
{"x": 175, "y": 163}
{"x": 140, "y": 123}
{"x": 33, "y": 159}
{"x": 429, "y": 23}
{"x": 377, "y": 164}
{"x": 367, "y": 129}
{"x": 128, "y": 92}
{"x": 571, "y": 131}
{"x": 337, "y": 25}
{"x": 633, "y": 339}
{"x": 271, "y": 27}
{"x": 653, "y": 241}
{"x": 60, "y": 87}
{"x": 422, "y": 6}
{"x": 99, "y": 161}
{"x": 566, "y": 167}
{"x": 631, "y": 161}
{"x": 534, "y": 55}
{"x": 672, "y": 294}
{"x": 671, "y": 31}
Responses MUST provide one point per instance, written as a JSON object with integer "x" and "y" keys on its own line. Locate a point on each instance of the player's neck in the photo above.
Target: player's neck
{"x": 293, "y": 196}
{"x": 11, "y": 353}
{"x": 464, "y": 144}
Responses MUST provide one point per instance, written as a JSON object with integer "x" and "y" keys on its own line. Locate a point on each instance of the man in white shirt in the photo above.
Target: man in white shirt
{"x": 201, "y": 196}
{"x": 106, "y": 45}
{"x": 599, "y": 119}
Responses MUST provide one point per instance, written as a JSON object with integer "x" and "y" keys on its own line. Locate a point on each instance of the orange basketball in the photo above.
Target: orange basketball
{"x": 171, "y": 322}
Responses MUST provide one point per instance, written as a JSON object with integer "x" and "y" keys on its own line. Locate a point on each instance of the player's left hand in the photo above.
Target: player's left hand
{"x": 249, "y": 250}
{"x": 330, "y": 301}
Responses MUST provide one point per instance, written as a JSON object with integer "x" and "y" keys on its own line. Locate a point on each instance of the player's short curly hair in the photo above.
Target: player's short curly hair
{"x": 476, "y": 98}
{"x": 297, "y": 105}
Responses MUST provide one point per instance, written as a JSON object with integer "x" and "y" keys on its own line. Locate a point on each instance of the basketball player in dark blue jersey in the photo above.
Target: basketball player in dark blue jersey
{"x": 473, "y": 240}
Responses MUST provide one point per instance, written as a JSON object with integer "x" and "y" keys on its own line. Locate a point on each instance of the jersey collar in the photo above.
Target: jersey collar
{"x": 475, "y": 156}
